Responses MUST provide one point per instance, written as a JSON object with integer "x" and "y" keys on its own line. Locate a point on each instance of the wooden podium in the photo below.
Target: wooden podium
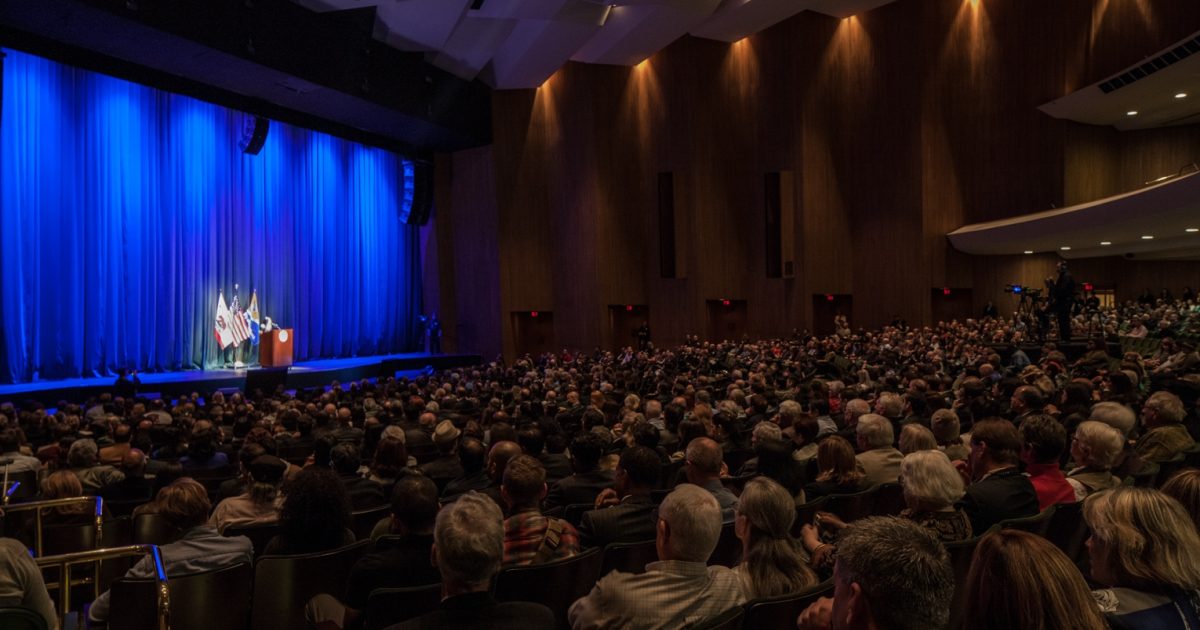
{"x": 275, "y": 349}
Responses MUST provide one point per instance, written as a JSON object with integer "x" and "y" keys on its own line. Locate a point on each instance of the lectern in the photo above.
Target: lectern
{"x": 275, "y": 349}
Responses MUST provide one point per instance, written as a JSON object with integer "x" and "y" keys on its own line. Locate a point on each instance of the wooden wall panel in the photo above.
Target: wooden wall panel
{"x": 901, "y": 124}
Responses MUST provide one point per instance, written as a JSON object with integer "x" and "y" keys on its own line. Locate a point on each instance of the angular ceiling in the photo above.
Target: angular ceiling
{"x": 520, "y": 43}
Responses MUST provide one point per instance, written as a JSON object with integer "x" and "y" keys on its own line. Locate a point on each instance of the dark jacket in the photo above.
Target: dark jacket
{"x": 443, "y": 470}
{"x": 396, "y": 562}
{"x": 578, "y": 488}
{"x": 481, "y": 611}
{"x": 999, "y": 496}
{"x": 630, "y": 521}
{"x": 364, "y": 493}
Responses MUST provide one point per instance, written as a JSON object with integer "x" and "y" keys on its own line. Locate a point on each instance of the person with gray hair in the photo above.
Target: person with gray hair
{"x": 468, "y": 546}
{"x": 890, "y": 573}
{"x": 83, "y": 458}
{"x": 877, "y": 457}
{"x": 946, "y": 430}
{"x": 677, "y": 591}
{"x": 1165, "y": 435}
{"x": 1115, "y": 415}
{"x": 1095, "y": 449}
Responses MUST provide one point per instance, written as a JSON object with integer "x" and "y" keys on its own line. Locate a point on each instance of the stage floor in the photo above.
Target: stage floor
{"x": 304, "y": 374}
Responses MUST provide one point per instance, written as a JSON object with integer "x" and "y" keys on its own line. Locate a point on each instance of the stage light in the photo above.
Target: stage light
{"x": 1147, "y": 237}
{"x": 1106, "y": 242}
{"x": 1181, "y": 95}
{"x": 1065, "y": 248}
{"x": 1132, "y": 112}
{"x": 1192, "y": 230}
{"x": 1029, "y": 251}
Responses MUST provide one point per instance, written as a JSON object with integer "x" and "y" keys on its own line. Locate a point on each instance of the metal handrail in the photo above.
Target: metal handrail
{"x": 38, "y": 506}
{"x": 65, "y": 561}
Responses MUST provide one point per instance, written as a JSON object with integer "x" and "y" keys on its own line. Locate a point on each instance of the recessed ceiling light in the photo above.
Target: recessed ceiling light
{"x": 1029, "y": 251}
{"x": 1192, "y": 230}
{"x": 1065, "y": 247}
{"x": 1106, "y": 242}
{"x": 1132, "y": 112}
{"x": 1147, "y": 237}
{"x": 1181, "y": 95}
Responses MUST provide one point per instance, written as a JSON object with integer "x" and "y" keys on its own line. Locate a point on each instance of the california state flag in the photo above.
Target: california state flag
{"x": 221, "y": 327}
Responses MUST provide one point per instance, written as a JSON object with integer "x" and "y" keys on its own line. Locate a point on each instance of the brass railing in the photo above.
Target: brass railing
{"x": 37, "y": 507}
{"x": 94, "y": 557}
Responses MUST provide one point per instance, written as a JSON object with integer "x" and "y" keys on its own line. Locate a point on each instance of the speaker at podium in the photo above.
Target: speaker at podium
{"x": 275, "y": 348}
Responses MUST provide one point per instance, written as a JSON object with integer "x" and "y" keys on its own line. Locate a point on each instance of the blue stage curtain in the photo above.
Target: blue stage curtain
{"x": 125, "y": 209}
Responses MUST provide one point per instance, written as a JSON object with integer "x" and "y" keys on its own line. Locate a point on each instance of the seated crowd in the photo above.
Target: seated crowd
{"x": 711, "y": 451}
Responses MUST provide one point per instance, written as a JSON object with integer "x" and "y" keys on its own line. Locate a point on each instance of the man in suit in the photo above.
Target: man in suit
{"x": 363, "y": 493}
{"x": 625, "y": 512}
{"x": 468, "y": 545}
{"x": 1062, "y": 299}
{"x": 587, "y": 482}
{"x": 472, "y": 455}
{"x": 1027, "y": 400}
{"x": 703, "y": 468}
{"x": 533, "y": 441}
{"x": 998, "y": 490}
{"x": 447, "y": 466}
{"x": 878, "y": 458}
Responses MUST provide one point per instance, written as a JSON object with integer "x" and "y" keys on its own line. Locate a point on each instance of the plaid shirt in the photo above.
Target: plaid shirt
{"x": 523, "y": 535}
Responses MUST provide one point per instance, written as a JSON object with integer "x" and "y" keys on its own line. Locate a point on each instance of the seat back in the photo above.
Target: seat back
{"x": 388, "y": 606}
{"x": 629, "y": 557}
{"x": 1145, "y": 477}
{"x": 1068, "y": 531}
{"x": 573, "y": 513}
{"x": 736, "y": 484}
{"x": 259, "y": 535}
{"x": 152, "y": 529}
{"x": 889, "y": 499}
{"x": 555, "y": 584}
{"x": 728, "y": 552}
{"x": 201, "y": 601}
{"x": 851, "y": 507}
{"x": 28, "y": 488}
{"x": 782, "y": 611}
{"x": 1168, "y": 468}
{"x": 669, "y": 473}
{"x": 737, "y": 458}
{"x": 284, "y": 584}
{"x": 363, "y": 521}
{"x": 806, "y": 513}
{"x": 1191, "y": 456}
{"x": 728, "y": 620}
{"x": 20, "y": 618}
{"x": 1037, "y": 524}
{"x": 961, "y": 553}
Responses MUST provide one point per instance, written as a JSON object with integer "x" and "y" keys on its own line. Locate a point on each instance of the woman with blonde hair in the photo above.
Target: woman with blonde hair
{"x": 1020, "y": 580}
{"x": 772, "y": 561}
{"x": 1184, "y": 486}
{"x": 1144, "y": 546}
{"x": 932, "y": 486}
{"x": 916, "y": 437}
{"x": 838, "y": 470}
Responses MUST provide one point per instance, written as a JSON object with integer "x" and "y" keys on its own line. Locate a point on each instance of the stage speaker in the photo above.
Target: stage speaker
{"x": 266, "y": 379}
{"x": 254, "y": 136}
{"x": 422, "y": 194}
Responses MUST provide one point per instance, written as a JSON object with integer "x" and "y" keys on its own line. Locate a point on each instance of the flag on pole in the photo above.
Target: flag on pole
{"x": 221, "y": 328}
{"x": 252, "y": 318}
{"x": 237, "y": 323}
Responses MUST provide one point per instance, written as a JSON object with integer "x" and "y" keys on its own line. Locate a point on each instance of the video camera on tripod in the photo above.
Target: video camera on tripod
{"x": 1025, "y": 293}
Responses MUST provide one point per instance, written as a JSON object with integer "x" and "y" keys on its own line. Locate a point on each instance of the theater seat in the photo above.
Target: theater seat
{"x": 573, "y": 513}
{"x": 18, "y": 618}
{"x": 1068, "y": 531}
{"x": 851, "y": 507}
{"x": 363, "y": 521}
{"x": 152, "y": 529}
{"x": 201, "y": 601}
{"x": 889, "y": 499}
{"x": 387, "y": 606}
{"x": 629, "y": 557}
{"x": 1168, "y": 468}
{"x": 259, "y": 535}
{"x": 728, "y": 552}
{"x": 728, "y": 620}
{"x": 556, "y": 584}
{"x": 805, "y": 514}
{"x": 961, "y": 553}
{"x": 782, "y": 611}
{"x": 1037, "y": 524}
{"x": 1145, "y": 477}
{"x": 284, "y": 584}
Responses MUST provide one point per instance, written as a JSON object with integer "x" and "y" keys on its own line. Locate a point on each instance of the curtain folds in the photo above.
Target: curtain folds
{"x": 125, "y": 209}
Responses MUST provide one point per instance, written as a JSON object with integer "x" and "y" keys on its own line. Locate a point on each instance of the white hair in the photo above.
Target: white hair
{"x": 764, "y": 431}
{"x": 930, "y": 478}
{"x": 1102, "y": 444}
{"x": 1115, "y": 415}
{"x": 469, "y": 537}
{"x": 875, "y": 430}
{"x": 694, "y": 517}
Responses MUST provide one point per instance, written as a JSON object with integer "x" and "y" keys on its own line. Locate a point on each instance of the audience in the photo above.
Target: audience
{"x": 677, "y": 591}
{"x": 703, "y": 469}
{"x": 363, "y": 493}
{"x": 1144, "y": 548}
{"x": 468, "y": 549}
{"x": 625, "y": 512}
{"x": 589, "y": 479}
{"x": 1094, "y": 449}
{"x": 877, "y": 458}
{"x": 21, "y": 582}
{"x": 184, "y": 505}
{"x": 945, "y": 430}
{"x": 773, "y": 563}
{"x": 1020, "y": 580}
{"x": 916, "y": 437}
{"x": 315, "y": 515}
{"x": 261, "y": 501}
{"x": 839, "y": 473}
{"x": 998, "y": 490}
{"x": 1184, "y": 486}
{"x": 1043, "y": 440}
{"x": 531, "y": 537}
{"x": 1165, "y": 436}
{"x": 890, "y": 573}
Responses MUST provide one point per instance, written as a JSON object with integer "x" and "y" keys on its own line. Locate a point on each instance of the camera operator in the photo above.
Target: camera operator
{"x": 1061, "y": 294}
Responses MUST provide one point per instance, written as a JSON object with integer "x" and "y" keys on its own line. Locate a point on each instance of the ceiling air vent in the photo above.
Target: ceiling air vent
{"x": 1182, "y": 51}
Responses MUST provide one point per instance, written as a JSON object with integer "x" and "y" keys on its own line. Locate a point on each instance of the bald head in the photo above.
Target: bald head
{"x": 499, "y": 457}
{"x": 704, "y": 458}
{"x": 134, "y": 462}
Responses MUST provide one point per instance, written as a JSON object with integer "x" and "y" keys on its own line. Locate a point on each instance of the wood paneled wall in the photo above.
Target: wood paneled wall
{"x": 901, "y": 124}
